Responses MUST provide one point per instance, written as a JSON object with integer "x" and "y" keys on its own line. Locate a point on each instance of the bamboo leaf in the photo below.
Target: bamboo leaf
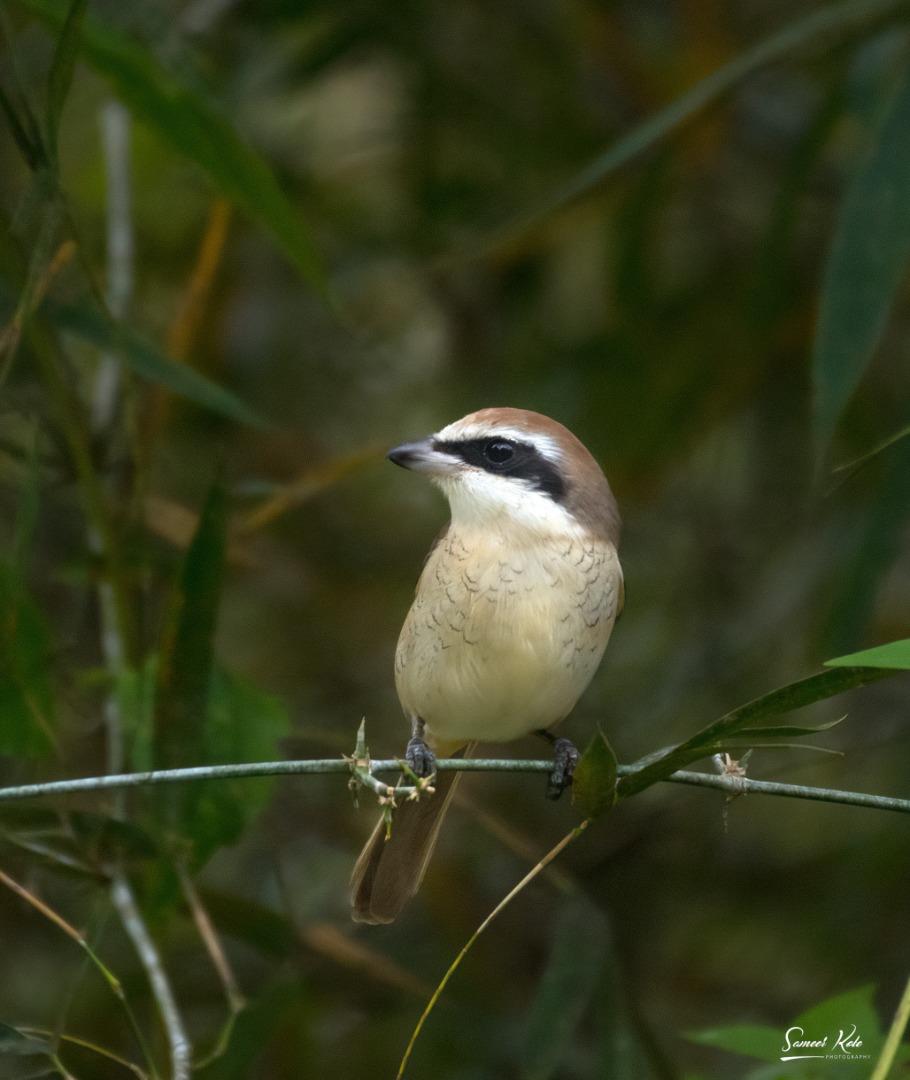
{"x": 594, "y": 783}
{"x": 196, "y": 128}
{"x": 184, "y": 672}
{"x": 857, "y": 1004}
{"x": 855, "y": 1008}
{"x": 242, "y": 723}
{"x": 742, "y": 742}
{"x": 790, "y": 730}
{"x": 63, "y": 65}
{"x": 866, "y": 264}
{"x": 840, "y": 1013}
{"x": 576, "y": 957}
{"x": 200, "y": 712}
{"x": 826, "y": 684}
{"x": 187, "y": 649}
{"x": 896, "y": 655}
{"x": 142, "y": 356}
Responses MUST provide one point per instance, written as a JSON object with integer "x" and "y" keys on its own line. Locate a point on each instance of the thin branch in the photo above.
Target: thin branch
{"x": 124, "y": 901}
{"x": 303, "y": 767}
{"x": 115, "y": 133}
{"x": 107, "y": 401}
{"x": 741, "y": 786}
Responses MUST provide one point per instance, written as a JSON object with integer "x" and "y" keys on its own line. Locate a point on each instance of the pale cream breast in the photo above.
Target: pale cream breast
{"x": 503, "y": 638}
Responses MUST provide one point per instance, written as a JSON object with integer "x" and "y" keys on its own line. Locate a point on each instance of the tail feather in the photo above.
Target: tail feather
{"x": 389, "y": 871}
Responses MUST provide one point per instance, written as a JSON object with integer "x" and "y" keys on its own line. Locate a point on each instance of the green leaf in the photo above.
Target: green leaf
{"x": 185, "y": 663}
{"x": 239, "y": 723}
{"x": 594, "y": 783}
{"x": 750, "y": 1040}
{"x": 568, "y": 983}
{"x": 142, "y": 357}
{"x": 242, "y": 723}
{"x": 826, "y": 684}
{"x": 839, "y": 1014}
{"x": 200, "y": 713}
{"x": 896, "y": 655}
{"x": 867, "y": 262}
{"x": 852, "y": 1007}
{"x": 135, "y": 690}
{"x": 789, "y": 730}
{"x": 196, "y": 129}
{"x": 26, "y": 693}
{"x": 63, "y": 65}
{"x": 826, "y": 1020}
{"x": 16, "y": 1042}
{"x": 187, "y": 648}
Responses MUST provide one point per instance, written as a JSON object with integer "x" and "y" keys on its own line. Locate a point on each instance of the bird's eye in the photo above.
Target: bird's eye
{"x": 498, "y": 451}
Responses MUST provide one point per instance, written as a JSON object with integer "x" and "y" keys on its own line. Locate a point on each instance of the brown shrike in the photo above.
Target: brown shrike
{"x": 511, "y": 617}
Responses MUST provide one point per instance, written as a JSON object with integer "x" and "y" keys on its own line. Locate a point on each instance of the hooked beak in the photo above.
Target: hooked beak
{"x": 422, "y": 456}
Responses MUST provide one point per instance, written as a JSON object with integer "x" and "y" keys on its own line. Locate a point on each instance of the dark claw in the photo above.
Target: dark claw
{"x": 421, "y": 758}
{"x": 565, "y": 758}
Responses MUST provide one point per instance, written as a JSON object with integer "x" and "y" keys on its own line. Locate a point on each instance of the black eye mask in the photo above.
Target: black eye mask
{"x": 508, "y": 457}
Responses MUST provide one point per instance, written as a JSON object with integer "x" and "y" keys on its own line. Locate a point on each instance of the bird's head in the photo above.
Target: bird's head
{"x": 510, "y": 469}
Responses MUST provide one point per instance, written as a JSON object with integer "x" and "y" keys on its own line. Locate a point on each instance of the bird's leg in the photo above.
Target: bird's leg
{"x": 565, "y": 758}
{"x": 418, "y": 755}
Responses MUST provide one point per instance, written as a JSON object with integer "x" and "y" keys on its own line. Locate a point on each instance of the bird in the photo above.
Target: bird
{"x": 510, "y": 619}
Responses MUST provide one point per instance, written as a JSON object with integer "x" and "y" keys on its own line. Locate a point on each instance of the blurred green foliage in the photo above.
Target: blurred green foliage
{"x": 826, "y": 1022}
{"x": 680, "y": 229}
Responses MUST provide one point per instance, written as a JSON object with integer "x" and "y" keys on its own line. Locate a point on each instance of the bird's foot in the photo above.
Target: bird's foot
{"x": 420, "y": 757}
{"x": 565, "y": 758}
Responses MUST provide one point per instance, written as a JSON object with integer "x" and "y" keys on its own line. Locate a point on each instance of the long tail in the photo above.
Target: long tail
{"x": 388, "y": 872}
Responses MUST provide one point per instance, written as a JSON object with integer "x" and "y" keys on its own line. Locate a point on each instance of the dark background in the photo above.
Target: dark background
{"x": 667, "y": 316}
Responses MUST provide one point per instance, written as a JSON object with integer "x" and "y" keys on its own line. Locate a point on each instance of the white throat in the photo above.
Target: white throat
{"x": 482, "y": 500}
